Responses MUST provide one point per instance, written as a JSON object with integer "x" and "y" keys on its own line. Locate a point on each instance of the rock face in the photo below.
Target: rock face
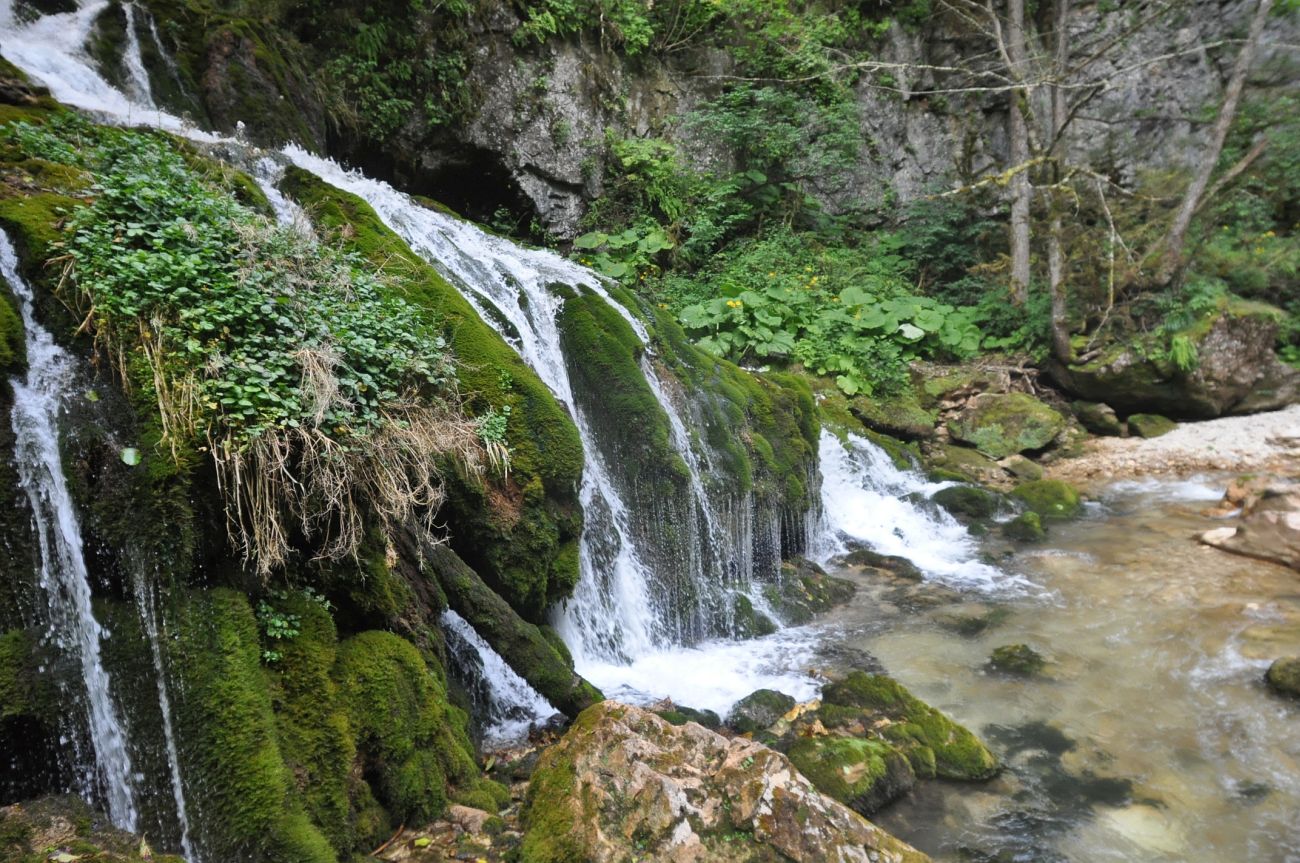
{"x": 1269, "y": 528}
{"x": 625, "y": 785}
{"x": 1237, "y": 372}
{"x": 1003, "y": 424}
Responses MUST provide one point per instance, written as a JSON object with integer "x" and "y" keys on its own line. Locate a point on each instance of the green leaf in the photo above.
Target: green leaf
{"x": 593, "y": 240}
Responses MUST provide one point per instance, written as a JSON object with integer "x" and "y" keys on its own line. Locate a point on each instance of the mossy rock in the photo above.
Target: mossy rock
{"x": 805, "y": 590}
{"x": 963, "y": 464}
{"x": 13, "y": 351}
{"x": 678, "y": 715}
{"x": 1283, "y": 676}
{"x": 523, "y": 537}
{"x": 747, "y": 621}
{"x": 226, "y": 726}
{"x": 1049, "y": 498}
{"x": 758, "y": 711}
{"x": 1018, "y": 659}
{"x": 935, "y": 745}
{"x": 967, "y": 502}
{"x": 64, "y": 827}
{"x": 1022, "y": 468}
{"x": 1098, "y": 418}
{"x": 1003, "y": 424}
{"x": 971, "y": 622}
{"x": 1150, "y": 425}
{"x": 24, "y": 690}
{"x": 864, "y": 774}
{"x": 1026, "y": 527}
{"x": 899, "y": 415}
{"x": 892, "y": 563}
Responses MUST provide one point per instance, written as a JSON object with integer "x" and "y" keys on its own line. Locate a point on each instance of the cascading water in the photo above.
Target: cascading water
{"x": 867, "y": 499}
{"x": 137, "y": 78}
{"x": 71, "y": 625}
{"x": 504, "y": 704}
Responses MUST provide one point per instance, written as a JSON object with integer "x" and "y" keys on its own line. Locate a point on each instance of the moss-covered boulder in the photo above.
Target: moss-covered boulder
{"x": 1002, "y": 424}
{"x": 1026, "y": 527}
{"x": 891, "y": 563}
{"x": 805, "y": 590}
{"x": 1098, "y": 418}
{"x": 678, "y": 715}
{"x": 525, "y": 647}
{"x": 899, "y": 415}
{"x": 1049, "y": 498}
{"x": 1018, "y": 659}
{"x": 625, "y": 785}
{"x": 521, "y": 535}
{"x": 963, "y": 464}
{"x": 1283, "y": 676}
{"x": 1236, "y": 370}
{"x": 933, "y": 743}
{"x": 65, "y": 828}
{"x": 967, "y": 502}
{"x": 746, "y": 620}
{"x": 1150, "y": 425}
{"x": 758, "y": 711}
{"x": 862, "y": 773}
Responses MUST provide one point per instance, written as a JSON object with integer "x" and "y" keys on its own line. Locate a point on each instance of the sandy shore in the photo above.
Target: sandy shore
{"x": 1259, "y": 443}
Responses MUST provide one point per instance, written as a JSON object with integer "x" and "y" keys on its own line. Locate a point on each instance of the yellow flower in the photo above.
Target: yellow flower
{"x": 771, "y": 275}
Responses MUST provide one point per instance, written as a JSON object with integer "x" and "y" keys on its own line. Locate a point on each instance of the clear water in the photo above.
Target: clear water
{"x": 63, "y": 578}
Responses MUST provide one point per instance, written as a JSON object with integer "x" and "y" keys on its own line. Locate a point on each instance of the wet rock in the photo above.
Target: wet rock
{"x": 804, "y": 590}
{"x": 66, "y": 829}
{"x": 933, "y": 743}
{"x": 1018, "y": 659}
{"x": 974, "y": 620}
{"x": 1269, "y": 528}
{"x": 1049, "y": 498}
{"x": 1284, "y": 676}
{"x": 625, "y": 785}
{"x": 747, "y": 621}
{"x": 1026, "y": 527}
{"x": 759, "y": 710}
{"x": 864, "y": 774}
{"x": 899, "y": 566}
{"x": 1002, "y": 424}
{"x": 677, "y": 714}
{"x": 901, "y": 416}
{"x": 1098, "y": 418}
{"x": 1150, "y": 425}
{"x": 964, "y": 464}
{"x": 967, "y": 502}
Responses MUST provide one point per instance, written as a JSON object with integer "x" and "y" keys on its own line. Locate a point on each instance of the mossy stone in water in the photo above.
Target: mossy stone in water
{"x": 1284, "y": 676}
{"x": 805, "y": 590}
{"x": 899, "y": 566}
{"x": 935, "y": 745}
{"x": 759, "y": 710}
{"x": 862, "y": 773}
{"x": 1150, "y": 425}
{"x": 1050, "y": 498}
{"x": 1003, "y": 424}
{"x": 678, "y": 715}
{"x": 967, "y": 502}
{"x": 1026, "y": 527}
{"x": 1020, "y": 659}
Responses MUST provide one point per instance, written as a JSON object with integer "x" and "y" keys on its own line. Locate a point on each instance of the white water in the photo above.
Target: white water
{"x": 510, "y": 705}
{"x": 863, "y": 497}
{"x": 63, "y": 576}
{"x": 147, "y": 606}
{"x": 137, "y": 79}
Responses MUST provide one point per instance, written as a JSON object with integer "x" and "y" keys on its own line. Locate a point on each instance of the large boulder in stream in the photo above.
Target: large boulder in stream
{"x": 1003, "y": 424}
{"x": 1236, "y": 370}
{"x": 625, "y": 785}
{"x": 1284, "y": 676}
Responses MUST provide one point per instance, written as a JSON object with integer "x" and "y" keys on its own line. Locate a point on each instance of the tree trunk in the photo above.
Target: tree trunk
{"x": 1061, "y": 349}
{"x": 1018, "y": 138}
{"x": 1171, "y": 262}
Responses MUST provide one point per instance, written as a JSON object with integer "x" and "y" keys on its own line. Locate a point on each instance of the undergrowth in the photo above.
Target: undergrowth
{"x": 321, "y": 395}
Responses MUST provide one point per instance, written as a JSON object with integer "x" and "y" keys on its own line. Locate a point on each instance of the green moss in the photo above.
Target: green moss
{"x": 224, "y": 720}
{"x": 805, "y": 590}
{"x": 1019, "y": 659}
{"x": 24, "y": 690}
{"x": 1026, "y": 527}
{"x": 758, "y": 711}
{"x": 900, "y": 415}
{"x": 963, "y": 464}
{"x": 524, "y": 646}
{"x": 967, "y": 502}
{"x": 862, "y": 773}
{"x": 522, "y": 536}
{"x": 1283, "y": 676}
{"x": 1150, "y": 425}
{"x": 13, "y": 353}
{"x": 409, "y": 739}
{"x": 1049, "y": 498}
{"x": 1000, "y": 425}
{"x": 923, "y": 733}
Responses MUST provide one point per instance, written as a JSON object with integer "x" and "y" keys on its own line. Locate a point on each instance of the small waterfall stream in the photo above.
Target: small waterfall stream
{"x": 137, "y": 78}
{"x": 63, "y": 575}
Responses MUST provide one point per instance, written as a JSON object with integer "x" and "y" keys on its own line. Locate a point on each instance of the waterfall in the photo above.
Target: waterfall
{"x": 137, "y": 78}
{"x": 147, "y": 606}
{"x": 867, "y": 499}
{"x": 505, "y": 706}
{"x": 63, "y": 576}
